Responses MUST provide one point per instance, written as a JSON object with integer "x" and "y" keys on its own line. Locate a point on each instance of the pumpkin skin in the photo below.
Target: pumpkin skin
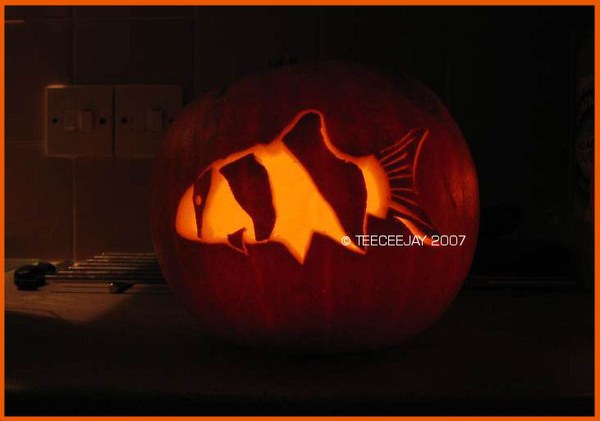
{"x": 336, "y": 299}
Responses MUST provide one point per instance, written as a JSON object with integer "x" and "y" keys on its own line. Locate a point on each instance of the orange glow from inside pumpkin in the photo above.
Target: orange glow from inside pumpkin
{"x": 300, "y": 208}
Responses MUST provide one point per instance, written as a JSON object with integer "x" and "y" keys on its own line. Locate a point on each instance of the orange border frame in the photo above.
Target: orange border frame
{"x": 3, "y": 3}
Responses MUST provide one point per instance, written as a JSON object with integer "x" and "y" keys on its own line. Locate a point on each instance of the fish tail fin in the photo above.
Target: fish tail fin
{"x": 399, "y": 161}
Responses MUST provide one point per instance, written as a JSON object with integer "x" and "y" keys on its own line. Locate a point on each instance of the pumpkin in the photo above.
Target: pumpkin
{"x": 319, "y": 207}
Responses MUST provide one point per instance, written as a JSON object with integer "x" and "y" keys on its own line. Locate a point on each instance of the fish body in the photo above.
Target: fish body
{"x": 300, "y": 184}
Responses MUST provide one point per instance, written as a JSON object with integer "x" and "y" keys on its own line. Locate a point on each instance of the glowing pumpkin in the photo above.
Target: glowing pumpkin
{"x": 320, "y": 207}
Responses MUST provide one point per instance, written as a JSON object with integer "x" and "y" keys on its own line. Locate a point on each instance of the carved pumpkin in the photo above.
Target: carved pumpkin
{"x": 320, "y": 207}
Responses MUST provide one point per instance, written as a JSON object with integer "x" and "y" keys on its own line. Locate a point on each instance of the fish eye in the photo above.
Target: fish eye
{"x": 197, "y": 200}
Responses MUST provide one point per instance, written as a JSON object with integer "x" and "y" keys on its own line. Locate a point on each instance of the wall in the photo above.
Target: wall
{"x": 506, "y": 75}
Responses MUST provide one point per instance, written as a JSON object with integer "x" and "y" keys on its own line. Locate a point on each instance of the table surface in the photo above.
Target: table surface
{"x": 495, "y": 351}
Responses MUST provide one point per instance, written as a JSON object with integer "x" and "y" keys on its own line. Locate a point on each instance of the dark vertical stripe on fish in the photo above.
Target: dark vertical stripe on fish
{"x": 201, "y": 187}
{"x": 249, "y": 183}
{"x": 341, "y": 183}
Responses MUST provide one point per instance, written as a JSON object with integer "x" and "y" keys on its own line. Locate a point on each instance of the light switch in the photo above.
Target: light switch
{"x": 136, "y": 122}
{"x": 86, "y": 121}
{"x": 79, "y": 120}
{"x": 154, "y": 120}
{"x": 70, "y": 120}
{"x": 143, "y": 114}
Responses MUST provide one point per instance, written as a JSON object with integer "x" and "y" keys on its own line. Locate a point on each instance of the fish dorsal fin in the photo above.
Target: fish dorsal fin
{"x": 340, "y": 182}
{"x": 399, "y": 161}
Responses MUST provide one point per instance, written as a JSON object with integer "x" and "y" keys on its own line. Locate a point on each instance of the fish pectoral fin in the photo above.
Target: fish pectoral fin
{"x": 236, "y": 241}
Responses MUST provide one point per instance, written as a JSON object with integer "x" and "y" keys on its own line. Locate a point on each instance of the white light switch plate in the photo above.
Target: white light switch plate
{"x": 79, "y": 120}
{"x": 142, "y": 115}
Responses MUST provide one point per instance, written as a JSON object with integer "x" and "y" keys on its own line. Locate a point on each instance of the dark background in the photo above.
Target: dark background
{"x": 508, "y": 76}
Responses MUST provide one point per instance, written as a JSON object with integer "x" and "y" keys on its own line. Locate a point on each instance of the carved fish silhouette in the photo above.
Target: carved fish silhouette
{"x": 300, "y": 184}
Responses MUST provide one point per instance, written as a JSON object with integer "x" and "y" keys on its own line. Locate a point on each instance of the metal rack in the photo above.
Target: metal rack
{"x": 119, "y": 271}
